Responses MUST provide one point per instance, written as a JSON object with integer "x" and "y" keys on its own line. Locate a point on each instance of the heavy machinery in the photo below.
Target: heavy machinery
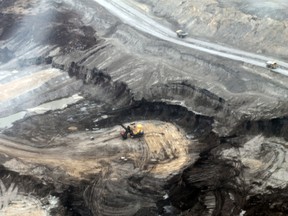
{"x": 181, "y": 34}
{"x": 271, "y": 64}
{"x": 133, "y": 131}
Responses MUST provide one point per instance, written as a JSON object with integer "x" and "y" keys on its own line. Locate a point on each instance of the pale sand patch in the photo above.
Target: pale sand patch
{"x": 253, "y": 164}
{"x": 169, "y": 147}
{"x": 24, "y": 206}
{"x": 25, "y": 84}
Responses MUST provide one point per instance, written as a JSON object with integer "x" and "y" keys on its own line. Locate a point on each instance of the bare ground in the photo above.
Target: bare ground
{"x": 215, "y": 129}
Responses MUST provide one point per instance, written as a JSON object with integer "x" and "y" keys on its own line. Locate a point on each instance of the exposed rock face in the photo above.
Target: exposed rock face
{"x": 215, "y": 129}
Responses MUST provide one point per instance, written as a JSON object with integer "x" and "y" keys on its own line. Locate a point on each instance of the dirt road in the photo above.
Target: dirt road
{"x": 142, "y": 22}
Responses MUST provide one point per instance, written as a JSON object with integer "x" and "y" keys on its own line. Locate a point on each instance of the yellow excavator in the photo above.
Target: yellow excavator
{"x": 134, "y": 131}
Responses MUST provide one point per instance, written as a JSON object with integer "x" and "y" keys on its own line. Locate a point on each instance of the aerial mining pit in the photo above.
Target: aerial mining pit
{"x": 214, "y": 117}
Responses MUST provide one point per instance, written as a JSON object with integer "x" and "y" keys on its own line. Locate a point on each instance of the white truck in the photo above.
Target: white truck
{"x": 181, "y": 34}
{"x": 271, "y": 64}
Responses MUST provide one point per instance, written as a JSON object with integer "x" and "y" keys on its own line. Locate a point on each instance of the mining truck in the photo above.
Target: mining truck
{"x": 271, "y": 64}
{"x": 181, "y": 34}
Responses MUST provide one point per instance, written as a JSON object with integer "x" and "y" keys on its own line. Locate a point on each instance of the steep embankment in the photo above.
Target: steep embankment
{"x": 87, "y": 42}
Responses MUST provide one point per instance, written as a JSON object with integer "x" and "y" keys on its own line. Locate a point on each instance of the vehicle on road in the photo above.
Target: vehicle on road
{"x": 271, "y": 64}
{"x": 181, "y": 34}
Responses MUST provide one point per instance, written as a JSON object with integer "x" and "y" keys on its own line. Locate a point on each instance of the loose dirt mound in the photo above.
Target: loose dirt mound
{"x": 168, "y": 146}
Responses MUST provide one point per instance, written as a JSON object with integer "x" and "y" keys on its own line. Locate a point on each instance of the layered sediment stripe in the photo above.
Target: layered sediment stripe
{"x": 28, "y": 83}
